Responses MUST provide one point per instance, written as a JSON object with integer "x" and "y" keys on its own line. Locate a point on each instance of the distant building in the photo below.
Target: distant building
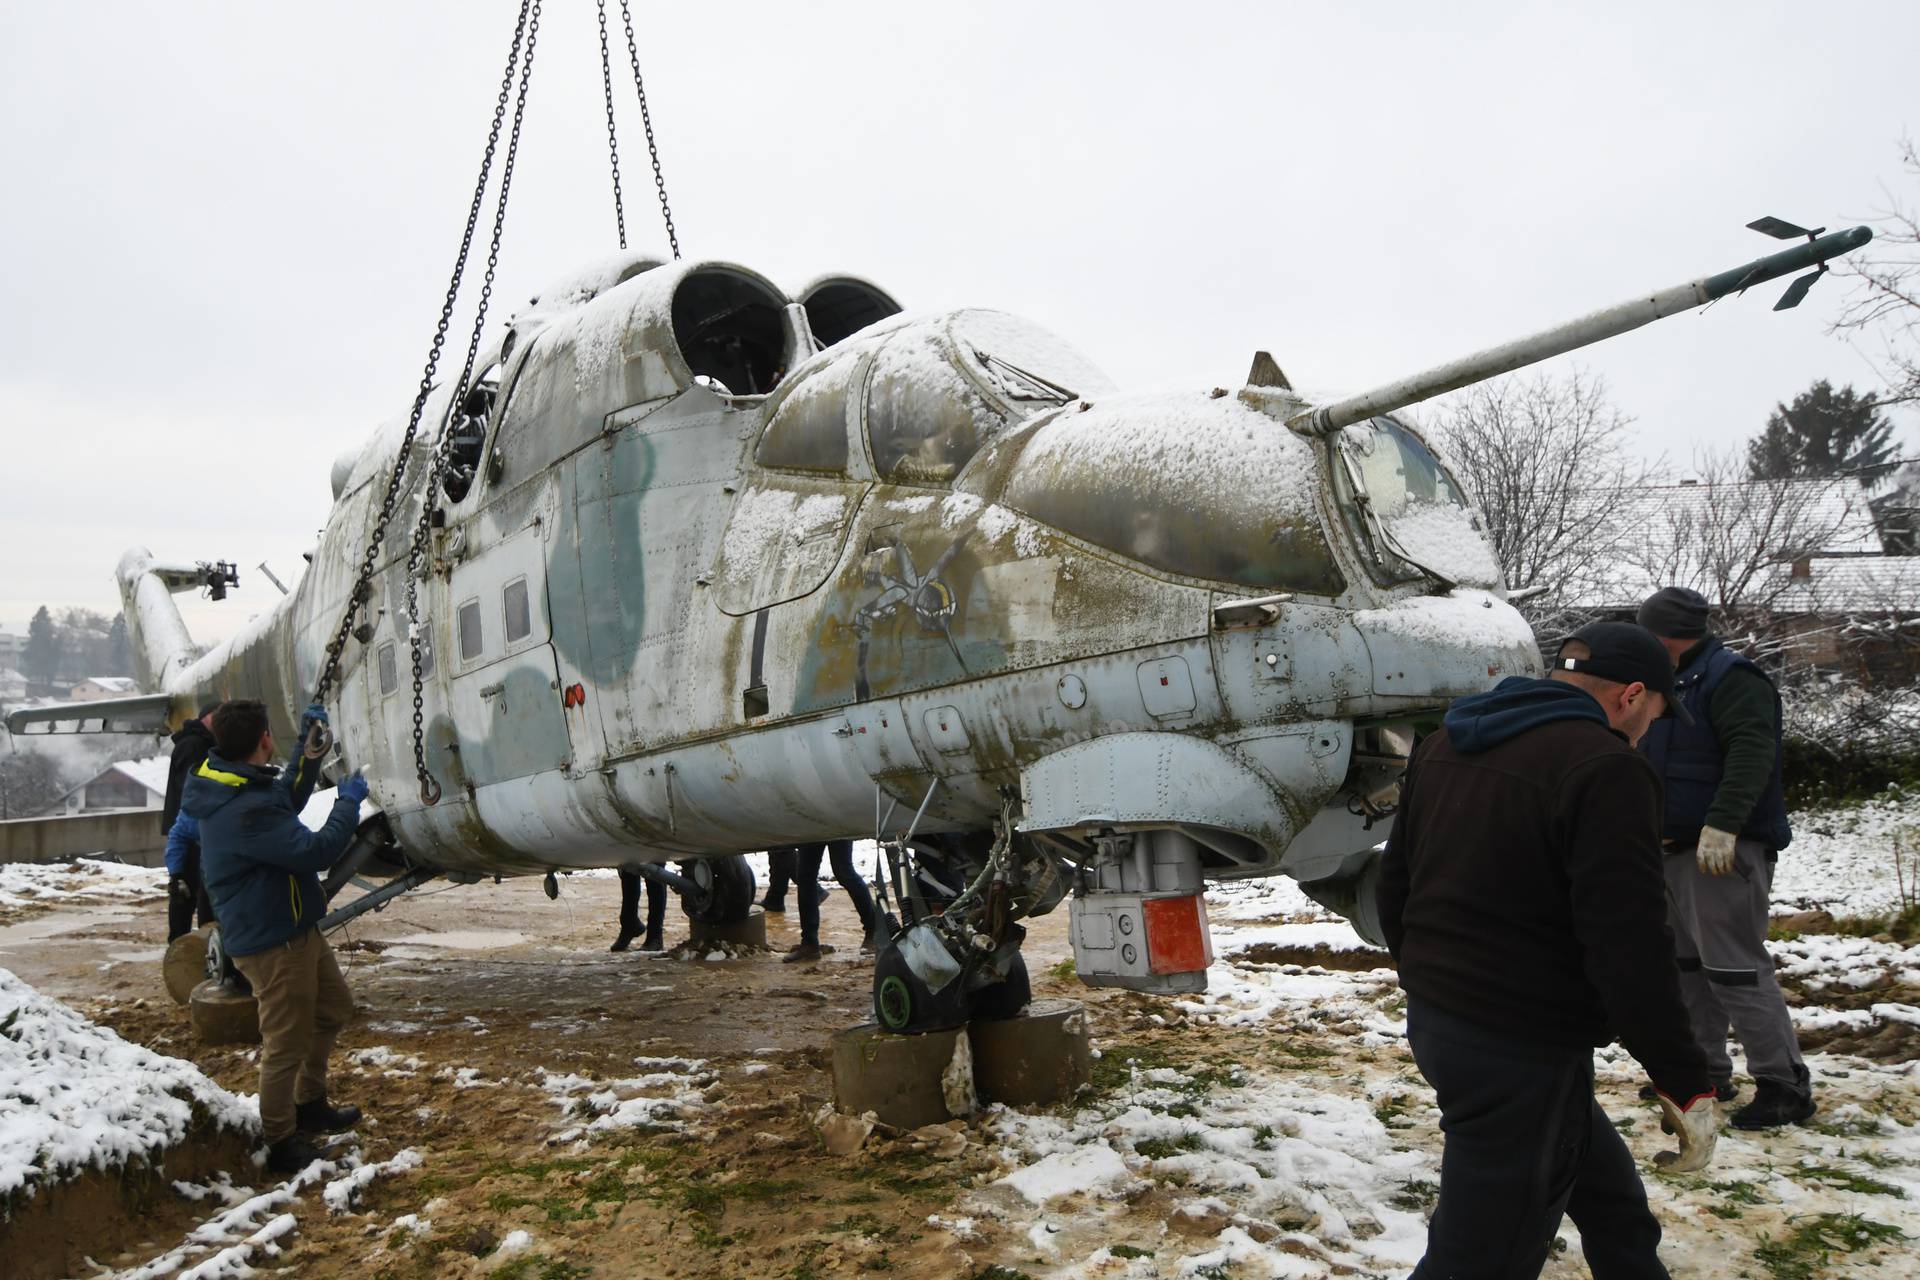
{"x": 13, "y": 686}
{"x": 99, "y": 688}
{"x": 130, "y": 784}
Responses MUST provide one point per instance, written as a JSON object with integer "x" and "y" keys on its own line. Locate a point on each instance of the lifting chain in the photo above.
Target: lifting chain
{"x": 362, "y": 590}
{"x": 419, "y": 558}
{"x": 646, "y": 119}
{"x": 613, "y": 142}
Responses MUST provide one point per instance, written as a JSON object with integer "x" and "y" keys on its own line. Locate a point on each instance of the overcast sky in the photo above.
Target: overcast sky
{"x": 226, "y": 227}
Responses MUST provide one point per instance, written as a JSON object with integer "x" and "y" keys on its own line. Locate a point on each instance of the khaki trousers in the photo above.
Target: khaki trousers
{"x": 304, "y": 1004}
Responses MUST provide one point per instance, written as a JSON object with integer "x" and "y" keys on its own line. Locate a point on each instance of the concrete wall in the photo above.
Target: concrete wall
{"x": 132, "y": 835}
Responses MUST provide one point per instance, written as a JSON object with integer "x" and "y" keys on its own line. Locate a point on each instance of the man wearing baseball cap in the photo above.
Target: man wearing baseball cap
{"x": 1521, "y": 896}
{"x": 1726, "y": 822}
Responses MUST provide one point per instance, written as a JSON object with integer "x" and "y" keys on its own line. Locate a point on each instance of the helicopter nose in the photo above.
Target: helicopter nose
{"x": 1449, "y": 646}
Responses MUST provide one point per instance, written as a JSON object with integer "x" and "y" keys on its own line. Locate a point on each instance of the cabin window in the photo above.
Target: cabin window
{"x": 519, "y": 621}
{"x": 470, "y": 636}
{"x": 389, "y": 668}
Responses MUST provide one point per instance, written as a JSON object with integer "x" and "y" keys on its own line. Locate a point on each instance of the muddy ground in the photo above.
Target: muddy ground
{"x": 580, "y": 1113}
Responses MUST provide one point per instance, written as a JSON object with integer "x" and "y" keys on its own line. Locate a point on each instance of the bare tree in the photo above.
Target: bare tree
{"x": 1885, "y": 301}
{"x": 1546, "y": 459}
{"x": 1734, "y": 539}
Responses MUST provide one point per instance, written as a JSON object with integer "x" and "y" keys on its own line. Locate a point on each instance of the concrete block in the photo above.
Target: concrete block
{"x": 185, "y": 965}
{"x": 1037, "y": 1059}
{"x": 750, "y": 932}
{"x": 222, "y": 1015}
{"x": 898, "y": 1078}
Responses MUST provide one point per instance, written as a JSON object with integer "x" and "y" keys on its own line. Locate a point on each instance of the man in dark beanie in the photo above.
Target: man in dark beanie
{"x": 1725, "y": 824}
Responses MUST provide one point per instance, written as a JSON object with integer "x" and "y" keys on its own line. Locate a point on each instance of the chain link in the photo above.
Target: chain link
{"x": 613, "y": 142}
{"x": 418, "y": 555}
{"x": 362, "y": 590}
{"x": 646, "y": 119}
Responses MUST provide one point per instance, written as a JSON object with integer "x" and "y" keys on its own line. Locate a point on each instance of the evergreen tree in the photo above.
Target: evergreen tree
{"x": 1824, "y": 432}
{"x": 40, "y": 660}
{"x": 119, "y": 651}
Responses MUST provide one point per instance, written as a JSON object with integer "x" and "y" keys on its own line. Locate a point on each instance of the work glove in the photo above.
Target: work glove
{"x": 314, "y": 714}
{"x": 1696, "y": 1126}
{"x": 1715, "y": 851}
{"x": 353, "y": 787}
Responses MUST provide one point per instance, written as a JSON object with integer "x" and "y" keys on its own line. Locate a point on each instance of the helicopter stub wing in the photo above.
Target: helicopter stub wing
{"x": 144, "y": 713}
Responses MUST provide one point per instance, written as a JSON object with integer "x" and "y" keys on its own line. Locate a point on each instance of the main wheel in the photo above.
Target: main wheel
{"x": 724, "y": 889}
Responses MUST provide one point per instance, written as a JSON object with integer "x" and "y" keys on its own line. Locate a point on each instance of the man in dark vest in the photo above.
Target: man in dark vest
{"x": 1725, "y": 824}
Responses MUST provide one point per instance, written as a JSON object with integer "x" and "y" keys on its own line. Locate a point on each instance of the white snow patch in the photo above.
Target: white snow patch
{"x": 341, "y": 1193}
{"x": 74, "y": 1096}
{"x": 25, "y": 884}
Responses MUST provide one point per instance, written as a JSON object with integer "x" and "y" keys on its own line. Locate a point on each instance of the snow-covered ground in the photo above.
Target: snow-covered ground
{"x": 1299, "y": 1140}
{"x": 39, "y": 884}
{"x": 76, "y": 1097}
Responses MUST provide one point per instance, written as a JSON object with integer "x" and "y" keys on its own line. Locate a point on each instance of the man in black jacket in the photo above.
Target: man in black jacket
{"x": 1726, "y": 822}
{"x": 1522, "y": 898}
{"x": 186, "y": 894}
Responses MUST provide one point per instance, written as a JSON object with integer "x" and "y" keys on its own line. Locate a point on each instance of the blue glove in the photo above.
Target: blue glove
{"x": 353, "y": 787}
{"x": 314, "y": 714}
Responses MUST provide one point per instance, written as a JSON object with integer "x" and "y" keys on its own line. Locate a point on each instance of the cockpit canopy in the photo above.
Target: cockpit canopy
{"x": 925, "y": 394}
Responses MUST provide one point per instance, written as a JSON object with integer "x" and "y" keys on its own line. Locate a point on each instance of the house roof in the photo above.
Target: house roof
{"x": 150, "y": 773}
{"x": 114, "y": 684}
{"x": 1672, "y": 534}
{"x": 1855, "y": 584}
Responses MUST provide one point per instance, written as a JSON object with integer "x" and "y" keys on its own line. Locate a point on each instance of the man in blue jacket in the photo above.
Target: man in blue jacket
{"x": 261, "y": 866}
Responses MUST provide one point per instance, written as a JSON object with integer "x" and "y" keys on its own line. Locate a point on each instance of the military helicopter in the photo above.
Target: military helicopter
{"x": 708, "y": 567}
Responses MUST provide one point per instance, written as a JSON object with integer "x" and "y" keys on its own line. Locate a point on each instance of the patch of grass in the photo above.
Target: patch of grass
{"x": 1728, "y": 1211}
{"x": 1853, "y": 1127}
{"x": 999, "y": 1273}
{"x": 867, "y": 1225}
{"x": 1263, "y": 1137}
{"x": 1219, "y": 1271}
{"x": 1065, "y": 969}
{"x": 1810, "y": 1246}
{"x": 1390, "y": 1109}
{"x": 1416, "y": 1196}
{"x": 1847, "y": 1180}
{"x": 1161, "y": 1148}
{"x": 1129, "y": 1251}
{"x": 530, "y": 1267}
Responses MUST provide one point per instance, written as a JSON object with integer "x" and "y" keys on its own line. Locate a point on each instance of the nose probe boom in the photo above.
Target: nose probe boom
{"x": 1592, "y": 328}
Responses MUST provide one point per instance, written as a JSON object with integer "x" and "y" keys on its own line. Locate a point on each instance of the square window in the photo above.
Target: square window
{"x": 470, "y": 644}
{"x": 519, "y": 623}
{"x": 389, "y": 669}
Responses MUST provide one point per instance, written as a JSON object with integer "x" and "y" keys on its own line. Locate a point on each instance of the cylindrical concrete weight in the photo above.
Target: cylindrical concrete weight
{"x": 895, "y": 1077}
{"x": 222, "y": 1015}
{"x": 185, "y": 965}
{"x": 1035, "y": 1060}
{"x": 750, "y": 932}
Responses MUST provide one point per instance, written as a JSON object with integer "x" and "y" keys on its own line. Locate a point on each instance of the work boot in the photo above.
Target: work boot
{"x": 625, "y": 939}
{"x": 652, "y": 941}
{"x": 292, "y": 1154}
{"x": 318, "y": 1117}
{"x": 773, "y": 905}
{"x": 871, "y": 943}
{"x": 804, "y": 952}
{"x": 1775, "y": 1104}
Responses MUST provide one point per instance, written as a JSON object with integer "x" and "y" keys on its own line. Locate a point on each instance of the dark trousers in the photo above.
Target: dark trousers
{"x": 1525, "y": 1143}
{"x": 187, "y": 897}
{"x": 779, "y": 874}
{"x": 806, "y": 874}
{"x": 630, "y": 904}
